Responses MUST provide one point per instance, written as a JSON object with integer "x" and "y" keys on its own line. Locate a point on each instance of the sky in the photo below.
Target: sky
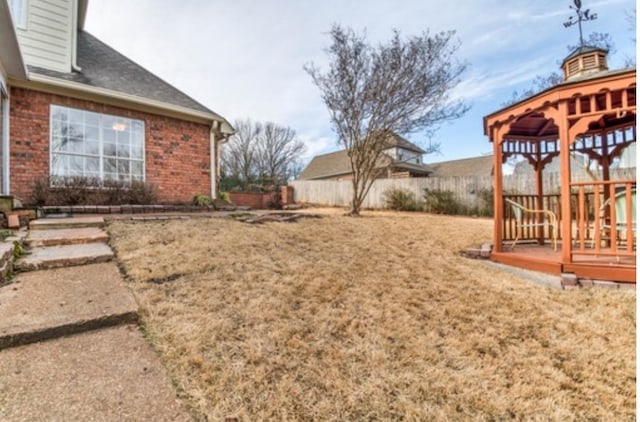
{"x": 245, "y": 58}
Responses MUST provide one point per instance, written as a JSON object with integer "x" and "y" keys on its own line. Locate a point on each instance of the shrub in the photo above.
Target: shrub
{"x": 400, "y": 200}
{"x": 446, "y": 202}
{"x": 89, "y": 191}
{"x": 201, "y": 200}
{"x": 441, "y": 202}
{"x": 223, "y": 196}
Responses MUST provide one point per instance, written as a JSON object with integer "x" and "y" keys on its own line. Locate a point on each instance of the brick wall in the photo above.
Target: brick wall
{"x": 254, "y": 200}
{"x": 176, "y": 152}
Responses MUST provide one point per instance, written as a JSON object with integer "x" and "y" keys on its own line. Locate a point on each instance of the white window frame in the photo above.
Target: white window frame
{"x": 19, "y": 10}
{"x": 101, "y": 148}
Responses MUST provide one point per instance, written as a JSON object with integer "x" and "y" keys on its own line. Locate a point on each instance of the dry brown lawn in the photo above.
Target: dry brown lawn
{"x": 372, "y": 318}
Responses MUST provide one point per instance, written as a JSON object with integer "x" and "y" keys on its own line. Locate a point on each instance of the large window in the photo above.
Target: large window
{"x": 96, "y": 145}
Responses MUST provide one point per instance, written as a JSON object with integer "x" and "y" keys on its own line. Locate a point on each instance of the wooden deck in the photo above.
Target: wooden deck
{"x": 544, "y": 259}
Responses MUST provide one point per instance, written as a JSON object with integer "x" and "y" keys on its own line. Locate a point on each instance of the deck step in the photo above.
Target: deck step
{"x": 54, "y": 303}
{"x": 59, "y": 237}
{"x": 66, "y": 223}
{"x": 64, "y": 256}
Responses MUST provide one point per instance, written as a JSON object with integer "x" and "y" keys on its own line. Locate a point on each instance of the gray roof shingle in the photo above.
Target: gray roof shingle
{"x": 474, "y": 166}
{"x": 104, "y": 67}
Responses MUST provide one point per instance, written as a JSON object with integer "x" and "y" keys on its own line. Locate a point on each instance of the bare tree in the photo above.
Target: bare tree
{"x": 277, "y": 148}
{"x": 238, "y": 155}
{"x": 400, "y": 86}
{"x": 260, "y": 153}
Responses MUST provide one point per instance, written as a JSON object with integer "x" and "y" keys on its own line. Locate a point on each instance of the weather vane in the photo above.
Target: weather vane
{"x": 582, "y": 17}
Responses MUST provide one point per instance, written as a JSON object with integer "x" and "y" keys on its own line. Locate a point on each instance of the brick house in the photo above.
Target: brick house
{"x": 70, "y": 105}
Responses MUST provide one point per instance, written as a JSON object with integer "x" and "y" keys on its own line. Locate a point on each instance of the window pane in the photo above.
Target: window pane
{"x": 136, "y": 169}
{"x": 110, "y": 150}
{"x": 59, "y": 114}
{"x": 123, "y": 166}
{"x": 76, "y": 117}
{"x": 58, "y": 128}
{"x": 91, "y": 119}
{"x": 136, "y": 151}
{"x": 92, "y": 132}
{"x": 76, "y": 145}
{"x": 92, "y": 147}
{"x": 92, "y": 166}
{"x": 59, "y": 164}
{"x": 58, "y": 144}
{"x": 76, "y": 166}
{"x": 108, "y": 135}
{"x": 110, "y": 165}
{"x": 123, "y": 150}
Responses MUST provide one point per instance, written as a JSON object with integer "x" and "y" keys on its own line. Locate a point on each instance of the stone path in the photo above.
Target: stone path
{"x": 70, "y": 347}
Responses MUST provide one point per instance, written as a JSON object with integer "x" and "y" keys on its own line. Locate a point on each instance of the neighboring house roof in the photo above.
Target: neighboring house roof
{"x": 474, "y": 166}
{"x": 396, "y": 140}
{"x": 327, "y": 165}
{"x": 337, "y": 163}
{"x": 103, "y": 67}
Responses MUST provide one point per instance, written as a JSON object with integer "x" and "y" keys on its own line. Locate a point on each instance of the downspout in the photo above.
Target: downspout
{"x": 213, "y": 166}
{"x": 5, "y": 142}
{"x": 74, "y": 37}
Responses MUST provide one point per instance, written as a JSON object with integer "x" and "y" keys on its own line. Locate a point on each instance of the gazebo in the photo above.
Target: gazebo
{"x": 591, "y": 113}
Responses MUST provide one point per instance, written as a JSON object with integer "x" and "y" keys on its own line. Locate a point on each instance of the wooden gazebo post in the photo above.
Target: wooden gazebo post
{"x": 498, "y": 134}
{"x": 565, "y": 180}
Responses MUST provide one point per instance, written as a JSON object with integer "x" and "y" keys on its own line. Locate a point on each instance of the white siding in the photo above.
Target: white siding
{"x": 46, "y": 40}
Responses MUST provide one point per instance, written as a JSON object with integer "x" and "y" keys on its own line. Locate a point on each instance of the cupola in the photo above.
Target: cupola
{"x": 583, "y": 61}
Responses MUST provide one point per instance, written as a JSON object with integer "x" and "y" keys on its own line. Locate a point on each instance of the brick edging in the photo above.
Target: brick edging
{"x": 124, "y": 209}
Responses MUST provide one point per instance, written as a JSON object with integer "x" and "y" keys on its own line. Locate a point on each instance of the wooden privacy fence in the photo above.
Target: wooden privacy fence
{"x": 468, "y": 190}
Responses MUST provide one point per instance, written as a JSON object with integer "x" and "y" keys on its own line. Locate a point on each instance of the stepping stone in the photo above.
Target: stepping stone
{"x": 58, "y": 237}
{"x": 48, "y": 304}
{"x": 66, "y": 223}
{"x": 63, "y": 256}
{"x": 104, "y": 375}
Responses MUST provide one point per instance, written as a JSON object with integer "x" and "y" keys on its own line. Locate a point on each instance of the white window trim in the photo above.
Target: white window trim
{"x": 101, "y": 155}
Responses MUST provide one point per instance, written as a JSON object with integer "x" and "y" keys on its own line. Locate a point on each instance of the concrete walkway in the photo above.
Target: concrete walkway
{"x": 70, "y": 346}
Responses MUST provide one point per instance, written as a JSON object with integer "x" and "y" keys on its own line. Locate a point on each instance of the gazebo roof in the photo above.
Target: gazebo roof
{"x": 533, "y": 124}
{"x": 584, "y": 49}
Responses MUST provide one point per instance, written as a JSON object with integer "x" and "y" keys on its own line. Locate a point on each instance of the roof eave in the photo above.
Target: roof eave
{"x": 10, "y": 56}
{"x": 613, "y": 73}
{"x": 83, "y": 5}
{"x": 55, "y": 85}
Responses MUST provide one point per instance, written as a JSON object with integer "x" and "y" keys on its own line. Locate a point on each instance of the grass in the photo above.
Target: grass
{"x": 376, "y": 317}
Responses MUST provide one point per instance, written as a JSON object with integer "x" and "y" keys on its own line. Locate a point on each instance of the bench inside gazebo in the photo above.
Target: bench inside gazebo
{"x": 591, "y": 113}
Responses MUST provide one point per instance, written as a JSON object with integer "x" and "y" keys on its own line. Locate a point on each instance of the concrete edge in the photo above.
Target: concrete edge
{"x": 49, "y": 333}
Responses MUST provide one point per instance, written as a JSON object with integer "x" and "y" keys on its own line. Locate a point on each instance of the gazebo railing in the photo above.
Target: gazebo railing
{"x": 529, "y": 232}
{"x": 604, "y": 218}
